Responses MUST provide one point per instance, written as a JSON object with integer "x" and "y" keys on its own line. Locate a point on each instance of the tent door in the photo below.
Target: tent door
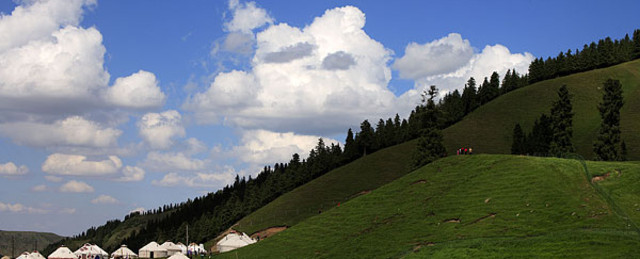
{"x": 150, "y": 254}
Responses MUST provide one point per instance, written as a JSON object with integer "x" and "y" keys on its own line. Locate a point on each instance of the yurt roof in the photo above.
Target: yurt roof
{"x": 178, "y": 256}
{"x": 35, "y": 255}
{"x": 170, "y": 246}
{"x": 123, "y": 251}
{"x": 62, "y": 252}
{"x": 153, "y": 246}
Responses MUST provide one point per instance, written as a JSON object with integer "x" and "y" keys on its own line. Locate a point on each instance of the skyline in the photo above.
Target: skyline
{"x": 110, "y": 107}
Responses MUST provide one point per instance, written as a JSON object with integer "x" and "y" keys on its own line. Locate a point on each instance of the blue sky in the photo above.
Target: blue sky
{"x": 111, "y": 106}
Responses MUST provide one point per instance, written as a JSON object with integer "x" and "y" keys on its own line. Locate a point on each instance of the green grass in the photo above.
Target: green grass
{"x": 489, "y": 129}
{"x": 542, "y": 207}
{"x": 339, "y": 185}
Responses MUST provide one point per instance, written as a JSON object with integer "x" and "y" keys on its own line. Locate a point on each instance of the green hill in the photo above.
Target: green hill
{"x": 476, "y": 206}
{"x": 489, "y": 129}
{"x": 25, "y": 241}
{"x": 339, "y": 185}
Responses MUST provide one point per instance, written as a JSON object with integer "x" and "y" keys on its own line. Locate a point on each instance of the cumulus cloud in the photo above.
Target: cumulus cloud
{"x": 260, "y": 147}
{"x": 316, "y": 80}
{"x": 440, "y": 56}
{"x": 77, "y": 165}
{"x": 131, "y": 174}
{"x": 246, "y": 17}
{"x": 104, "y": 199}
{"x": 450, "y": 61}
{"x": 172, "y": 161}
{"x": 39, "y": 188}
{"x": 139, "y": 90}
{"x": 53, "y": 178}
{"x": 19, "y": 208}
{"x": 201, "y": 180}
{"x": 52, "y": 70}
{"x": 237, "y": 42}
{"x": 158, "y": 129}
{"x": 68, "y": 211}
{"x": 11, "y": 169}
{"x": 76, "y": 186}
{"x": 72, "y": 131}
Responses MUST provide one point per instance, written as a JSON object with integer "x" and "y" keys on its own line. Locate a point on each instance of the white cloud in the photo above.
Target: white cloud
{"x": 139, "y": 90}
{"x": 158, "y": 129}
{"x": 39, "y": 188}
{"x": 131, "y": 174}
{"x": 76, "y": 186}
{"x": 53, "y": 178}
{"x": 246, "y": 17}
{"x": 202, "y": 180}
{"x": 68, "y": 211}
{"x": 440, "y": 56}
{"x": 11, "y": 169}
{"x": 261, "y": 147}
{"x": 419, "y": 60}
{"x": 139, "y": 209}
{"x": 173, "y": 161}
{"x": 72, "y": 131}
{"x": 77, "y": 165}
{"x": 316, "y": 80}
{"x": 19, "y": 208}
{"x": 104, "y": 199}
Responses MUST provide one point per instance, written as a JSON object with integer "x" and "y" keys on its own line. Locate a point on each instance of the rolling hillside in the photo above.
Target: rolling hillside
{"x": 489, "y": 129}
{"x": 25, "y": 241}
{"x": 475, "y": 206}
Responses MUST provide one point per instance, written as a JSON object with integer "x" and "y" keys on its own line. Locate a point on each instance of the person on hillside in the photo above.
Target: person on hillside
{"x": 470, "y": 151}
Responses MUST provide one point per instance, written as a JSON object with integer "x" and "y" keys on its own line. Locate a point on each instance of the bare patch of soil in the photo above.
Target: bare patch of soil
{"x": 491, "y": 215}
{"x": 453, "y": 220}
{"x": 268, "y": 232}
{"x": 419, "y": 181}
{"x": 360, "y": 193}
{"x": 600, "y": 177}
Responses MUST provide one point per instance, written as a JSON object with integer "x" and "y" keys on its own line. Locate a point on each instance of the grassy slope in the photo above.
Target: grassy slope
{"x": 25, "y": 241}
{"x": 364, "y": 174}
{"x": 489, "y": 129}
{"x": 544, "y": 207}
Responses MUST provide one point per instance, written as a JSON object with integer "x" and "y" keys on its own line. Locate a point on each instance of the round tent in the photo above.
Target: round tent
{"x": 183, "y": 248}
{"x": 171, "y": 248}
{"x": 35, "y": 255}
{"x": 23, "y": 255}
{"x": 89, "y": 251}
{"x": 124, "y": 252}
{"x": 62, "y": 253}
{"x": 6, "y": 257}
{"x": 178, "y": 256}
{"x": 152, "y": 250}
{"x": 233, "y": 241}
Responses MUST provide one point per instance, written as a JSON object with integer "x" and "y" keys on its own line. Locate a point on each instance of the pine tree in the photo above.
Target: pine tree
{"x": 518, "y": 145}
{"x": 608, "y": 141}
{"x": 429, "y": 147}
{"x": 636, "y": 44}
{"x": 562, "y": 123}
{"x": 623, "y": 151}
{"x": 469, "y": 96}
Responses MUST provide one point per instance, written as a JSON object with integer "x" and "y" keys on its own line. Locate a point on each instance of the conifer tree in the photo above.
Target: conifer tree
{"x": 429, "y": 147}
{"x": 518, "y": 145}
{"x": 608, "y": 141}
{"x": 469, "y": 96}
{"x": 562, "y": 123}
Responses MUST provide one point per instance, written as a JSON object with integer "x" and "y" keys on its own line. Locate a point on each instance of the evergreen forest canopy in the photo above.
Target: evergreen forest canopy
{"x": 215, "y": 212}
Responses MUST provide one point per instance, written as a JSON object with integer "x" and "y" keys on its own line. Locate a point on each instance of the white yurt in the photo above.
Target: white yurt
{"x": 62, "y": 252}
{"x": 195, "y": 249}
{"x": 233, "y": 241}
{"x": 183, "y": 248}
{"x": 171, "y": 248}
{"x": 23, "y": 255}
{"x": 124, "y": 252}
{"x": 89, "y": 251}
{"x": 178, "y": 256}
{"x": 35, "y": 255}
{"x": 6, "y": 257}
{"x": 152, "y": 250}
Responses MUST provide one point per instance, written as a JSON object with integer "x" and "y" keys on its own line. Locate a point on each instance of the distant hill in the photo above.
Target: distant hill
{"x": 480, "y": 206}
{"x": 25, "y": 241}
{"x": 489, "y": 129}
